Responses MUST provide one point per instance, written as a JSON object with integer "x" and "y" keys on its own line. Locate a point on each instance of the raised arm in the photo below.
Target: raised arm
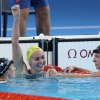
{"x": 16, "y": 50}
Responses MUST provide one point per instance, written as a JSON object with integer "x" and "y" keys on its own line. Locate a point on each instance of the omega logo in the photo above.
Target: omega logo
{"x": 83, "y": 53}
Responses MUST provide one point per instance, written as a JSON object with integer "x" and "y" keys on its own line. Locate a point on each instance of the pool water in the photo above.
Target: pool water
{"x": 72, "y": 88}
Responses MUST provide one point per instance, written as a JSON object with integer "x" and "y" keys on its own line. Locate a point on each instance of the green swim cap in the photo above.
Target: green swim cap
{"x": 31, "y": 50}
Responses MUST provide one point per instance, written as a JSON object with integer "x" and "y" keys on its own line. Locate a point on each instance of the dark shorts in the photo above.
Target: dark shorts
{"x": 39, "y": 3}
{"x": 26, "y": 3}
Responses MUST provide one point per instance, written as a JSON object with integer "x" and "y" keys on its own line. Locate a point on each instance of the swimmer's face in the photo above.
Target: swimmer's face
{"x": 37, "y": 61}
{"x": 11, "y": 71}
{"x": 96, "y": 60}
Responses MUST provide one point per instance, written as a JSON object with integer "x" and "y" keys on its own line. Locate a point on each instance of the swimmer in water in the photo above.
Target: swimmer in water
{"x": 7, "y": 69}
{"x": 35, "y": 55}
{"x": 77, "y": 72}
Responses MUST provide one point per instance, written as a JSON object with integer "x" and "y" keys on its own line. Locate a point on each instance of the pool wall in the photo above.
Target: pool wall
{"x": 59, "y": 50}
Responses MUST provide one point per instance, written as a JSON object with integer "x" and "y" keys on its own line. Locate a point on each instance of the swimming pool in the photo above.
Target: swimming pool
{"x": 72, "y": 88}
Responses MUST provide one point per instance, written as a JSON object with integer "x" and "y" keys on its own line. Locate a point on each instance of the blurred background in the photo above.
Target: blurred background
{"x": 68, "y": 17}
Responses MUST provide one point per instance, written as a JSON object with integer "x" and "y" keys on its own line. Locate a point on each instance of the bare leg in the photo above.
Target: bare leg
{"x": 23, "y": 18}
{"x": 43, "y": 20}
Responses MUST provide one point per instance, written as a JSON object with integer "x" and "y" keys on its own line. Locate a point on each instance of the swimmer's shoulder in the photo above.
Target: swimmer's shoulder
{"x": 95, "y": 74}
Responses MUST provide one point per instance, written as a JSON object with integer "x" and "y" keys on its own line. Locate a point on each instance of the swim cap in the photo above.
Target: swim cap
{"x": 31, "y": 50}
{"x": 4, "y": 65}
{"x": 97, "y": 50}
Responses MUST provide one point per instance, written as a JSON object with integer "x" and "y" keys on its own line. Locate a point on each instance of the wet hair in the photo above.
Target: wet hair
{"x": 4, "y": 65}
{"x": 97, "y": 50}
